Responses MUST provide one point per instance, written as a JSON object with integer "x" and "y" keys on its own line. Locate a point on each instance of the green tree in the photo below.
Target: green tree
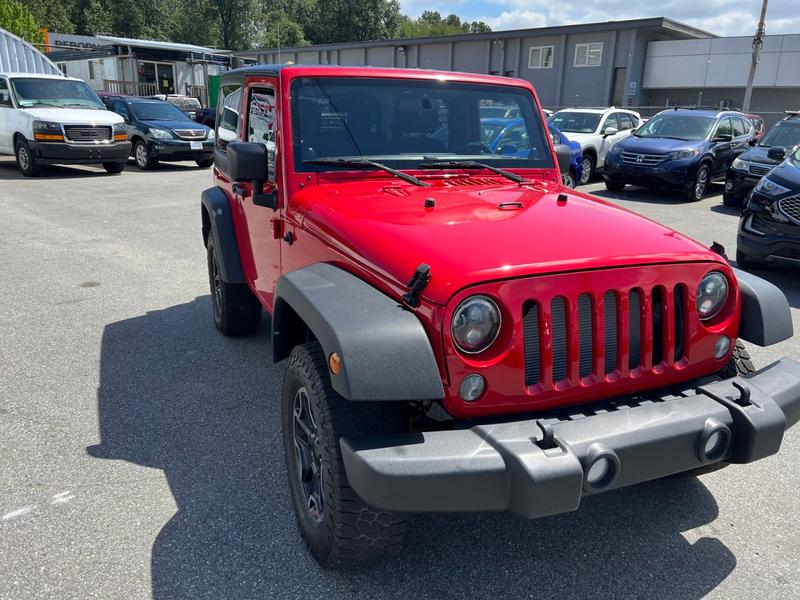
{"x": 353, "y": 21}
{"x": 236, "y": 23}
{"x": 17, "y": 19}
{"x": 53, "y": 16}
{"x": 430, "y": 23}
{"x": 93, "y": 17}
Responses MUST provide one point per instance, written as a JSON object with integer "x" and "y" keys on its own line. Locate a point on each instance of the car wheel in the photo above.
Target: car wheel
{"x": 614, "y": 186}
{"x": 236, "y": 310}
{"x": 568, "y": 179}
{"x": 114, "y": 167}
{"x": 205, "y": 163}
{"x": 588, "y": 169}
{"x": 731, "y": 200}
{"x": 26, "y": 161}
{"x": 698, "y": 188}
{"x": 339, "y": 529}
{"x": 141, "y": 155}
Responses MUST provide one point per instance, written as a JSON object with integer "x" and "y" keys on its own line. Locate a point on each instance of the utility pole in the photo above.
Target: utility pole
{"x": 758, "y": 43}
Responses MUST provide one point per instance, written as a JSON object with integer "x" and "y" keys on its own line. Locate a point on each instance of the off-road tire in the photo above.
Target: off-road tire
{"x": 614, "y": 186}
{"x": 700, "y": 183}
{"x": 235, "y": 309}
{"x": 114, "y": 168}
{"x": 205, "y": 163}
{"x": 347, "y": 533}
{"x": 732, "y": 201}
{"x": 739, "y": 363}
{"x": 588, "y": 173}
{"x": 26, "y": 161}
{"x": 142, "y": 156}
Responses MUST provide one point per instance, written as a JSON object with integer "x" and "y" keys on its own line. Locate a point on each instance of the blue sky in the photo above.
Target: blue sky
{"x": 723, "y": 17}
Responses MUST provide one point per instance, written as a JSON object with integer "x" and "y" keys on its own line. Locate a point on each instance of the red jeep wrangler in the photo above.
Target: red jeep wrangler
{"x": 464, "y": 333}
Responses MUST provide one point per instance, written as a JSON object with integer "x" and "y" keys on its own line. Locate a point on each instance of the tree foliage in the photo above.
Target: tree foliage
{"x": 241, "y": 24}
{"x": 17, "y": 19}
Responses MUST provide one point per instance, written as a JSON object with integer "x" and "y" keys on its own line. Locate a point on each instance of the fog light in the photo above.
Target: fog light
{"x": 722, "y": 346}
{"x": 713, "y": 443}
{"x": 728, "y": 186}
{"x": 472, "y": 387}
{"x": 598, "y": 471}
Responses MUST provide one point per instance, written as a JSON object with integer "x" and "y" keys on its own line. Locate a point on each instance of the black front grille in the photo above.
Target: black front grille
{"x": 585, "y": 335}
{"x": 760, "y": 169}
{"x": 642, "y": 160}
{"x": 83, "y": 133}
{"x": 530, "y": 333}
{"x": 791, "y": 208}
{"x": 610, "y": 330}
{"x": 559, "y": 317}
{"x": 634, "y": 329}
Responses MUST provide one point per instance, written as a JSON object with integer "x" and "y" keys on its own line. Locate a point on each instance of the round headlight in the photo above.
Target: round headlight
{"x": 711, "y": 294}
{"x": 476, "y": 324}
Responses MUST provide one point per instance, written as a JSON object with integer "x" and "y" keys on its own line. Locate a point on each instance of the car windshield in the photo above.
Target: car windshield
{"x": 59, "y": 93}
{"x": 575, "y": 122}
{"x": 678, "y": 127}
{"x": 402, "y": 122}
{"x": 157, "y": 111}
{"x": 783, "y": 134}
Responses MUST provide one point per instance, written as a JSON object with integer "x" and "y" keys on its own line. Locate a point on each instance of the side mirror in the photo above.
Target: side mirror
{"x": 508, "y": 149}
{"x": 247, "y": 162}
{"x": 724, "y": 137}
{"x": 563, "y": 154}
{"x": 610, "y": 131}
{"x": 777, "y": 153}
{"x": 752, "y": 142}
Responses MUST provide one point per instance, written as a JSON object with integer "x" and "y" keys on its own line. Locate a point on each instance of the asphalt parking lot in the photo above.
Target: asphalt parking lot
{"x": 141, "y": 453}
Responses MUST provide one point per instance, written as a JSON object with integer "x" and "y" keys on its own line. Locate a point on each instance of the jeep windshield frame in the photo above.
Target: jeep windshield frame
{"x": 401, "y": 122}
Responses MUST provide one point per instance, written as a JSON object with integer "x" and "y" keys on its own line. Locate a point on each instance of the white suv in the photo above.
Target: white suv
{"x": 596, "y": 130}
{"x": 50, "y": 119}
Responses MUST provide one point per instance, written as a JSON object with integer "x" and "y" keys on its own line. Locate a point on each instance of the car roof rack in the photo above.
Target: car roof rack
{"x": 791, "y": 113}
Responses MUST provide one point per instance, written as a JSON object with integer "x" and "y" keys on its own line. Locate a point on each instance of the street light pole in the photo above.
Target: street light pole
{"x": 758, "y": 43}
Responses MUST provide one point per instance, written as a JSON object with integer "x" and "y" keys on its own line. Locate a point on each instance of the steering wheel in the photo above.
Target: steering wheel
{"x": 474, "y": 148}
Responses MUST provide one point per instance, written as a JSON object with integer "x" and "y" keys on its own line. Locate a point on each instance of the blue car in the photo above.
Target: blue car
{"x": 685, "y": 149}
{"x": 510, "y": 138}
{"x": 769, "y": 230}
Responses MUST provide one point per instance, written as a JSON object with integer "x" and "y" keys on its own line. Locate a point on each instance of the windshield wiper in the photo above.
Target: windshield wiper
{"x": 363, "y": 163}
{"x": 471, "y": 164}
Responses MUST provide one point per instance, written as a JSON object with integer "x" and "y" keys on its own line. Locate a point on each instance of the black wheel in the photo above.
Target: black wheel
{"x": 114, "y": 167}
{"x": 698, "y": 188}
{"x": 588, "y": 169}
{"x": 340, "y": 530}
{"x": 236, "y": 310}
{"x": 26, "y": 161}
{"x": 205, "y": 163}
{"x": 739, "y": 364}
{"x": 568, "y": 179}
{"x": 614, "y": 186}
{"x": 142, "y": 157}
{"x": 731, "y": 200}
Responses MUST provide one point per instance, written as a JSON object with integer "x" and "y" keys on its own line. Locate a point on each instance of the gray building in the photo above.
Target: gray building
{"x": 593, "y": 64}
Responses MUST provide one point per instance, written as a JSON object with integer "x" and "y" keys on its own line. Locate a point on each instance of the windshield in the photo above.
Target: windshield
{"x": 58, "y": 93}
{"x": 401, "y": 122}
{"x": 786, "y": 135}
{"x": 678, "y": 127}
{"x": 575, "y": 122}
{"x": 157, "y": 111}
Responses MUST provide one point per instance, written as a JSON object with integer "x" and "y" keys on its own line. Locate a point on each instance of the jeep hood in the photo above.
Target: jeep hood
{"x": 486, "y": 232}
{"x": 73, "y": 116}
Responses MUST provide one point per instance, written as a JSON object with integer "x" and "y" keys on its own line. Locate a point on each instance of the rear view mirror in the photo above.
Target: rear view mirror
{"x": 564, "y": 156}
{"x": 777, "y": 153}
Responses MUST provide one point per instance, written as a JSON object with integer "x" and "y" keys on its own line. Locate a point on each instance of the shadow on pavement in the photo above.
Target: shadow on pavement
{"x": 175, "y": 395}
{"x": 656, "y": 195}
{"x": 9, "y": 172}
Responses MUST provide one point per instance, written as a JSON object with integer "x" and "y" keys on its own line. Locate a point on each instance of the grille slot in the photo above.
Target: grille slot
{"x": 642, "y": 160}
{"x": 657, "y": 316}
{"x": 610, "y": 330}
{"x": 791, "y": 208}
{"x": 759, "y": 169}
{"x": 191, "y": 134}
{"x": 634, "y": 329}
{"x": 585, "y": 335}
{"x": 85, "y": 133}
{"x": 680, "y": 327}
{"x": 530, "y": 333}
{"x": 559, "y": 326}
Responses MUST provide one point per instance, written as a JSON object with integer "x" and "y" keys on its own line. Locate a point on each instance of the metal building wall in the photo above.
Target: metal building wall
{"x": 17, "y": 55}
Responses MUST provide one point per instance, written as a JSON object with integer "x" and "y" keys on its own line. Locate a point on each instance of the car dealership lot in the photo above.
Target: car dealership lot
{"x": 142, "y": 456}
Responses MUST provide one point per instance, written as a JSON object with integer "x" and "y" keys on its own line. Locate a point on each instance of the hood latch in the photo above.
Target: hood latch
{"x": 416, "y": 284}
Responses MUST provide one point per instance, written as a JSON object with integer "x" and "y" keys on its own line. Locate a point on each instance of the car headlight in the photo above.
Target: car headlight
{"x": 678, "y": 155}
{"x": 159, "y": 133}
{"x": 769, "y": 188}
{"x": 211, "y": 135}
{"x": 740, "y": 165}
{"x": 476, "y": 324}
{"x": 47, "y": 126}
{"x": 711, "y": 294}
{"x": 614, "y": 149}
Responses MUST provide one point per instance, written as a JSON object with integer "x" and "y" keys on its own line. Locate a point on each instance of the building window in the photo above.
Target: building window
{"x": 95, "y": 69}
{"x": 589, "y": 55}
{"x": 62, "y": 67}
{"x": 540, "y": 57}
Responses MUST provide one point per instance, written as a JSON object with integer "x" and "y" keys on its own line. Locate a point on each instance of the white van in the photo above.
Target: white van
{"x": 51, "y": 119}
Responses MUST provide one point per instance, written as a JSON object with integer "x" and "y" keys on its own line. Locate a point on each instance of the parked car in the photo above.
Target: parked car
{"x": 161, "y": 132}
{"x": 186, "y": 104}
{"x": 769, "y": 229}
{"x": 596, "y": 130}
{"x": 758, "y": 125}
{"x": 498, "y": 111}
{"x": 206, "y": 116}
{"x": 457, "y": 335}
{"x": 685, "y": 149}
{"x": 748, "y": 168}
{"x": 575, "y": 173}
{"x": 108, "y": 97}
{"x": 51, "y": 119}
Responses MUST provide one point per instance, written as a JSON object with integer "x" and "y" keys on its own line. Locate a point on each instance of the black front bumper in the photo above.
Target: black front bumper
{"x": 164, "y": 149}
{"x": 511, "y": 466}
{"x": 739, "y": 184}
{"x": 62, "y": 153}
{"x": 677, "y": 174}
{"x": 765, "y": 235}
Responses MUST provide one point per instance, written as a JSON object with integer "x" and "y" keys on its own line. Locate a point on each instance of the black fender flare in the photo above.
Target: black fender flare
{"x": 766, "y": 318}
{"x": 217, "y": 219}
{"x": 384, "y": 349}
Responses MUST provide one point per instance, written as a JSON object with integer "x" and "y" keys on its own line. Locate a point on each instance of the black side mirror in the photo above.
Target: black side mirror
{"x": 563, "y": 154}
{"x": 752, "y": 142}
{"x": 776, "y": 153}
{"x": 247, "y": 162}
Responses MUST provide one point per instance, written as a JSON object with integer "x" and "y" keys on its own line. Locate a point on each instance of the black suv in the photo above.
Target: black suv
{"x": 751, "y": 166}
{"x": 160, "y": 131}
{"x": 769, "y": 230}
